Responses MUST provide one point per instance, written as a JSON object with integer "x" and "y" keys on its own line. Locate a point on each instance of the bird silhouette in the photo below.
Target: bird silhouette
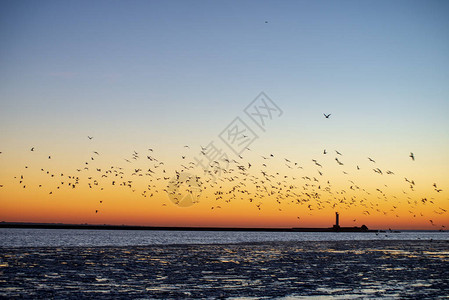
{"x": 90, "y": 137}
{"x": 327, "y": 116}
{"x": 412, "y": 156}
{"x": 339, "y": 162}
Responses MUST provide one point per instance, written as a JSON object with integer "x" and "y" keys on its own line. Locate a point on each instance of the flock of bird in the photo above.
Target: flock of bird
{"x": 268, "y": 179}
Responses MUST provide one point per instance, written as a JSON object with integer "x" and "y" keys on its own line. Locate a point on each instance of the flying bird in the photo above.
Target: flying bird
{"x": 412, "y": 156}
{"x": 339, "y": 162}
{"x": 327, "y": 116}
{"x": 90, "y": 137}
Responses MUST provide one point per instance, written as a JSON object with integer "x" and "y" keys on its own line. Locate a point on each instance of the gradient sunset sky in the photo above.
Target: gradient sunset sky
{"x": 163, "y": 75}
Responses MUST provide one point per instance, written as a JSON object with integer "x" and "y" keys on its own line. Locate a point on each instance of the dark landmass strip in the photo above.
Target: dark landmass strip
{"x": 340, "y": 269}
{"x": 128, "y": 227}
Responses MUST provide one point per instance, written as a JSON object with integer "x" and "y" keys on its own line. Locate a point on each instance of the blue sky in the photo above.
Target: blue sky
{"x": 186, "y": 68}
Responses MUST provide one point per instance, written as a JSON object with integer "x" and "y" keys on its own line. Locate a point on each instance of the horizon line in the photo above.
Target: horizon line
{"x": 39, "y": 225}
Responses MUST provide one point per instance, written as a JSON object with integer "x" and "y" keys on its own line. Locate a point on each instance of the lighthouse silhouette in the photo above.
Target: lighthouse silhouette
{"x": 337, "y": 221}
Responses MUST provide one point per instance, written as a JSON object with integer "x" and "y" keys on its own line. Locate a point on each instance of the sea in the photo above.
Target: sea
{"x": 23, "y": 237}
{"x": 135, "y": 264}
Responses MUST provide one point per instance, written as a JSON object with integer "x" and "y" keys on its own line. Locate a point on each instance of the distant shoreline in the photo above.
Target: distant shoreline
{"x": 181, "y": 228}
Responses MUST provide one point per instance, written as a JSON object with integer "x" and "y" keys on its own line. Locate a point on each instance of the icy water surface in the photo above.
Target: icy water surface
{"x": 10, "y": 237}
{"x": 326, "y": 269}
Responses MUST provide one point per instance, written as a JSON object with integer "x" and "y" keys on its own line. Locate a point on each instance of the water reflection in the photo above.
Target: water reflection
{"x": 15, "y": 237}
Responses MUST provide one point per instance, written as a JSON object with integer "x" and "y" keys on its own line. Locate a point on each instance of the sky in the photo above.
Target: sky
{"x": 163, "y": 75}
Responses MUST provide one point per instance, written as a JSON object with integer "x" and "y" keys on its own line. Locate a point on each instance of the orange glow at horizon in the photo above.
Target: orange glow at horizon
{"x": 247, "y": 193}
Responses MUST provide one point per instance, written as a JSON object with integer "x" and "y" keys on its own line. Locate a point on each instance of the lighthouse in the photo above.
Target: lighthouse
{"x": 337, "y": 221}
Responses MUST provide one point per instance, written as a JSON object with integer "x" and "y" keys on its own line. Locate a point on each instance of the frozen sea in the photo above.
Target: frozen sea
{"x": 115, "y": 264}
